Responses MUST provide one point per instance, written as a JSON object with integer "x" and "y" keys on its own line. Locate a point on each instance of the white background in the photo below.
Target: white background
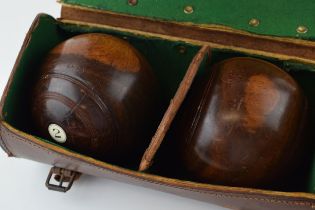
{"x": 22, "y": 181}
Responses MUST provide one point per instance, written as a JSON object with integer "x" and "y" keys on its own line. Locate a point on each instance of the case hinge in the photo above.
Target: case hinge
{"x": 64, "y": 179}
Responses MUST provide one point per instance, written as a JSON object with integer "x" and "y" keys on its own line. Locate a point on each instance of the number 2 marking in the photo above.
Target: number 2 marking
{"x": 57, "y": 134}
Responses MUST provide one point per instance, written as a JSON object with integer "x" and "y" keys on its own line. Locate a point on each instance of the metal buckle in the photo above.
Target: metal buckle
{"x": 61, "y": 176}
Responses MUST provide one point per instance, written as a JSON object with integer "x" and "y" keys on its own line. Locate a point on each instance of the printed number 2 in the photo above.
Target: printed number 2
{"x": 56, "y": 133}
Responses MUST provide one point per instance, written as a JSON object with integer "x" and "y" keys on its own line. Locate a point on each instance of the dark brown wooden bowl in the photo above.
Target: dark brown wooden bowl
{"x": 97, "y": 95}
{"x": 241, "y": 124}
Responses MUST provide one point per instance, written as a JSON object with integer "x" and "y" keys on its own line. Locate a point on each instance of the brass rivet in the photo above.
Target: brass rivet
{"x": 132, "y": 2}
{"x": 181, "y": 49}
{"x": 254, "y": 22}
{"x": 188, "y": 9}
{"x": 301, "y": 29}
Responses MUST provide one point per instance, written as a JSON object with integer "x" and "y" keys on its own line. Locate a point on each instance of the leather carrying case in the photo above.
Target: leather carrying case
{"x": 170, "y": 36}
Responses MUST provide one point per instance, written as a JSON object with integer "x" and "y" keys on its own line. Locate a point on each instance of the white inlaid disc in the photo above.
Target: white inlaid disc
{"x": 57, "y": 133}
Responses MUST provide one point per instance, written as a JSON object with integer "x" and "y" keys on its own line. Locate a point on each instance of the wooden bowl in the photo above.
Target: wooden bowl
{"x": 241, "y": 124}
{"x": 97, "y": 95}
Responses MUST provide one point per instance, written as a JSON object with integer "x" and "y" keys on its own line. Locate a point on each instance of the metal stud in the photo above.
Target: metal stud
{"x": 181, "y": 49}
{"x": 188, "y": 9}
{"x": 132, "y": 2}
{"x": 302, "y": 29}
{"x": 254, "y": 22}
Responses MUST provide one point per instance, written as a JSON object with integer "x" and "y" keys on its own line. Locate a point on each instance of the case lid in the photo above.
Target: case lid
{"x": 283, "y": 18}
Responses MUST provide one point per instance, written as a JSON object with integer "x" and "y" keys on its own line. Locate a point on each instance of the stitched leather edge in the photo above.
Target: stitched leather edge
{"x": 3, "y": 146}
{"x": 17, "y": 61}
{"x": 217, "y": 194}
{"x": 89, "y": 17}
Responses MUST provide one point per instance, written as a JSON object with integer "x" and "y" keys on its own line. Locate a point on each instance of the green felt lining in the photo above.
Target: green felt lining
{"x": 165, "y": 57}
{"x": 277, "y": 17}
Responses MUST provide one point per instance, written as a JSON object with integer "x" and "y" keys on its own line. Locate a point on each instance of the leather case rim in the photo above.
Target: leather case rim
{"x": 15, "y": 140}
{"x": 269, "y": 17}
{"x": 214, "y": 36}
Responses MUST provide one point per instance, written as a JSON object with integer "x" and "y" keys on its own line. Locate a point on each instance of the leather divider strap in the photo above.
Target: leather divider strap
{"x": 173, "y": 108}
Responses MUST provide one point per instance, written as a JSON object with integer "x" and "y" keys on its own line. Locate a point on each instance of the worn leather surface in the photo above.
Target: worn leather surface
{"x": 235, "y": 198}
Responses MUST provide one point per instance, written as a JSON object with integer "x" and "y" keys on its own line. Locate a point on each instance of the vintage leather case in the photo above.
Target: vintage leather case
{"x": 169, "y": 34}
